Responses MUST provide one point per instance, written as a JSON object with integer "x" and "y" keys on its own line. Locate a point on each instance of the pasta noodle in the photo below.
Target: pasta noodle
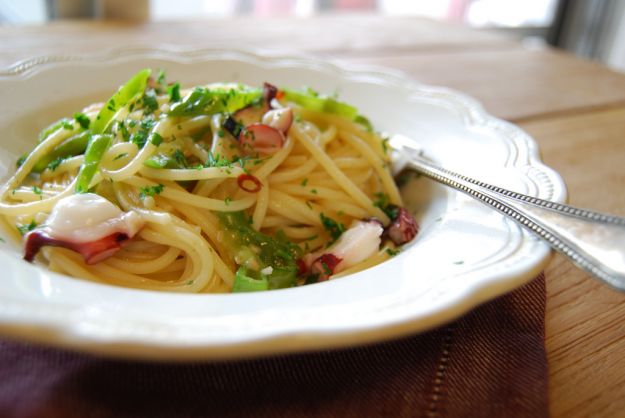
{"x": 182, "y": 169}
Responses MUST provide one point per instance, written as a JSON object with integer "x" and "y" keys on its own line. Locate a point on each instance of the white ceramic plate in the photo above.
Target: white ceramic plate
{"x": 464, "y": 255}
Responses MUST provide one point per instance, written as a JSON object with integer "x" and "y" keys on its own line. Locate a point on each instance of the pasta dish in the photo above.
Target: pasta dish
{"x": 217, "y": 188}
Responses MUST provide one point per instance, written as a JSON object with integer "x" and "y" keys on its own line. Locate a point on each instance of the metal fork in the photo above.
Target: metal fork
{"x": 595, "y": 242}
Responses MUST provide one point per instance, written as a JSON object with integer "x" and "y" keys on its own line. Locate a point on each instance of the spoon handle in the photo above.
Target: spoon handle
{"x": 595, "y": 242}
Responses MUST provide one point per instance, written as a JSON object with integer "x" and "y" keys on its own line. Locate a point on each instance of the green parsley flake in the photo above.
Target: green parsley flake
{"x": 160, "y": 78}
{"x": 37, "y": 190}
{"x": 383, "y": 202}
{"x": 216, "y": 160}
{"x": 149, "y": 101}
{"x": 174, "y": 93}
{"x": 82, "y": 120}
{"x": 150, "y": 191}
{"x": 54, "y": 164}
{"x": 385, "y": 146}
{"x": 23, "y": 229}
{"x": 334, "y": 228}
{"x": 122, "y": 155}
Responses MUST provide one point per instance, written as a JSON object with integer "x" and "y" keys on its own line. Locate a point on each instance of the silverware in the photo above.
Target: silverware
{"x": 594, "y": 241}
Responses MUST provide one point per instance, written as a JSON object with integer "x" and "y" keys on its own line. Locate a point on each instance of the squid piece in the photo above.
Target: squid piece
{"x": 403, "y": 227}
{"x": 358, "y": 243}
{"x": 260, "y": 128}
{"x": 86, "y": 223}
{"x": 261, "y": 138}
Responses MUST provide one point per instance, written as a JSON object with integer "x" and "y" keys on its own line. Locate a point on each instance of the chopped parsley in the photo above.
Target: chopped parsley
{"x": 21, "y": 160}
{"x": 140, "y": 137}
{"x": 216, "y": 160}
{"x": 174, "y": 93}
{"x": 37, "y": 190}
{"x": 150, "y": 103}
{"x": 147, "y": 123}
{"x": 82, "y": 120}
{"x": 150, "y": 191}
{"x": 227, "y": 201}
{"x": 162, "y": 75}
{"x": 334, "y": 228}
{"x": 23, "y": 229}
{"x": 121, "y": 126}
{"x": 244, "y": 159}
{"x": 392, "y": 252}
{"x": 304, "y": 182}
{"x": 179, "y": 157}
{"x": 54, "y": 164}
{"x": 313, "y": 191}
{"x": 382, "y": 201}
{"x": 385, "y": 146}
{"x": 122, "y": 155}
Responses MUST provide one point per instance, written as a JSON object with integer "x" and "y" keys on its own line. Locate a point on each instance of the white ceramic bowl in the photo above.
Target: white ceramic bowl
{"x": 464, "y": 254}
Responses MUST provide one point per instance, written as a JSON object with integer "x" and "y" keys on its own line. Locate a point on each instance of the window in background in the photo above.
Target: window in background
{"x": 489, "y": 13}
{"x": 24, "y": 11}
{"x": 589, "y": 28}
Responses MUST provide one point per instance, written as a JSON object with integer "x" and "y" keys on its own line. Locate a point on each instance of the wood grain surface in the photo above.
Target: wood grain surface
{"x": 574, "y": 109}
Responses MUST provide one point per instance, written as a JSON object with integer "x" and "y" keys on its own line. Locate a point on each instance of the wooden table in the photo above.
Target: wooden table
{"x": 575, "y": 110}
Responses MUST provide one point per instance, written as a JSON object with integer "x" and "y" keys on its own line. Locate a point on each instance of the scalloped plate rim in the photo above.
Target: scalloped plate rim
{"x": 63, "y": 335}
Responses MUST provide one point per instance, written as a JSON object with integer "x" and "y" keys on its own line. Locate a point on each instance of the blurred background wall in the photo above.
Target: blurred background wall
{"x": 594, "y": 29}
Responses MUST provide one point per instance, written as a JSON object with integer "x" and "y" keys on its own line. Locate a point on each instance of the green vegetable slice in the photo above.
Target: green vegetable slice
{"x": 311, "y": 100}
{"x": 72, "y": 146}
{"x": 260, "y": 250}
{"x": 98, "y": 144}
{"x": 133, "y": 88}
{"x": 206, "y": 100}
{"x": 243, "y": 282}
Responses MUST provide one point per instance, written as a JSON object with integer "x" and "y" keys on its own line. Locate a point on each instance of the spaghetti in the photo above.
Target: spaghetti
{"x": 236, "y": 188}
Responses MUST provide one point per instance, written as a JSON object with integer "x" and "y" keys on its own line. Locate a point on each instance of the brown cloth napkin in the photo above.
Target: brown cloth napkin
{"x": 490, "y": 363}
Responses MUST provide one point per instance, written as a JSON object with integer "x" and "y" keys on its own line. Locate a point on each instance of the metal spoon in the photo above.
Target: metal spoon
{"x": 594, "y": 241}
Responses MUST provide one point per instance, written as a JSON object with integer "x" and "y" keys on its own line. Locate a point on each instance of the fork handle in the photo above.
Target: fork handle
{"x": 595, "y": 242}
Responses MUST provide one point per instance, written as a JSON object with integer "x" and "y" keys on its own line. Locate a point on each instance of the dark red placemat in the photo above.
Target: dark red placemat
{"x": 490, "y": 363}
